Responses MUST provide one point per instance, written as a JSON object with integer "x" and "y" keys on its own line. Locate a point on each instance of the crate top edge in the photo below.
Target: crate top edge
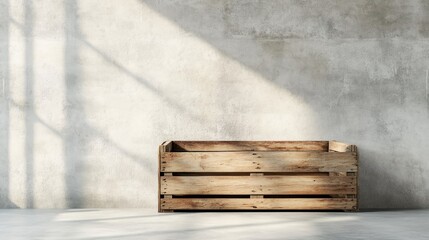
{"x": 249, "y": 141}
{"x": 255, "y": 145}
{"x": 256, "y": 141}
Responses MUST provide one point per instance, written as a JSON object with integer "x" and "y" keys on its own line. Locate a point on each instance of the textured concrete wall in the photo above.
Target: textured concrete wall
{"x": 91, "y": 87}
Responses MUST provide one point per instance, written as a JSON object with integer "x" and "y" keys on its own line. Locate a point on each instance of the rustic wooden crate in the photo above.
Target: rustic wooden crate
{"x": 257, "y": 175}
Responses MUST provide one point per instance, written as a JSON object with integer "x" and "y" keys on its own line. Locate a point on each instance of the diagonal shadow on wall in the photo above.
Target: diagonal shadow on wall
{"x": 358, "y": 82}
{"x": 29, "y": 102}
{"x": 74, "y": 140}
{"x": 4, "y": 106}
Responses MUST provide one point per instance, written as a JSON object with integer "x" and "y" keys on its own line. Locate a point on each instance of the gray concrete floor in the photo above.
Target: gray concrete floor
{"x": 148, "y": 224}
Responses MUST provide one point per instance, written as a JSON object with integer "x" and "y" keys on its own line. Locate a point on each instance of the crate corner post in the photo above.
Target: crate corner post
{"x": 166, "y": 146}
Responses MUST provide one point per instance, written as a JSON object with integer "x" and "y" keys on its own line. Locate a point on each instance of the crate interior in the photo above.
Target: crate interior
{"x": 231, "y": 146}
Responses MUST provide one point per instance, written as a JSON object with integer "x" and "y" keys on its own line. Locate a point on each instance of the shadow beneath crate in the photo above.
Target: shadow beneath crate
{"x": 254, "y": 211}
{"x": 369, "y": 210}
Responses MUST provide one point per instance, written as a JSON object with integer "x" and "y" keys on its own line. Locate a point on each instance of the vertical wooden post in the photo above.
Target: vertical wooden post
{"x": 166, "y": 146}
{"x": 160, "y": 149}
{"x": 335, "y": 146}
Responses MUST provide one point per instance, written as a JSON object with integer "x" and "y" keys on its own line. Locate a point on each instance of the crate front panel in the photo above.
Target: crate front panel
{"x": 255, "y": 175}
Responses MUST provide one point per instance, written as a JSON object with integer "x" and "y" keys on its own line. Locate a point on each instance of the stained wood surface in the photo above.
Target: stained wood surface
{"x": 216, "y": 146}
{"x": 258, "y": 162}
{"x": 259, "y": 204}
{"x": 248, "y": 185}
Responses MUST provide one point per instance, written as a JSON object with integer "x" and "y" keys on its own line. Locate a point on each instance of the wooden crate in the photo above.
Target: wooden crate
{"x": 257, "y": 175}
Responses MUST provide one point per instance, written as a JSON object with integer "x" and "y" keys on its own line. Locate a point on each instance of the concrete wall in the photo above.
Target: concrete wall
{"x": 91, "y": 87}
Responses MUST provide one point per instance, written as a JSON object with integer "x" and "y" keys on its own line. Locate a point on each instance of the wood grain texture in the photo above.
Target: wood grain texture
{"x": 224, "y": 146}
{"x": 259, "y": 204}
{"x": 251, "y": 185}
{"x": 258, "y": 162}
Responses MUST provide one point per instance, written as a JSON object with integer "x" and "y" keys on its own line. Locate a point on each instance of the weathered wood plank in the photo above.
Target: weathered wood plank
{"x": 215, "y": 146}
{"x": 338, "y": 174}
{"x": 251, "y": 185}
{"x": 259, "y": 204}
{"x": 258, "y": 162}
{"x": 341, "y": 147}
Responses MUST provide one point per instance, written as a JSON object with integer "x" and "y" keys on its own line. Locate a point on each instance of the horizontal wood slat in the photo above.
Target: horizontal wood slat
{"x": 258, "y": 162}
{"x": 258, "y": 204}
{"x": 215, "y": 146}
{"x": 251, "y": 185}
